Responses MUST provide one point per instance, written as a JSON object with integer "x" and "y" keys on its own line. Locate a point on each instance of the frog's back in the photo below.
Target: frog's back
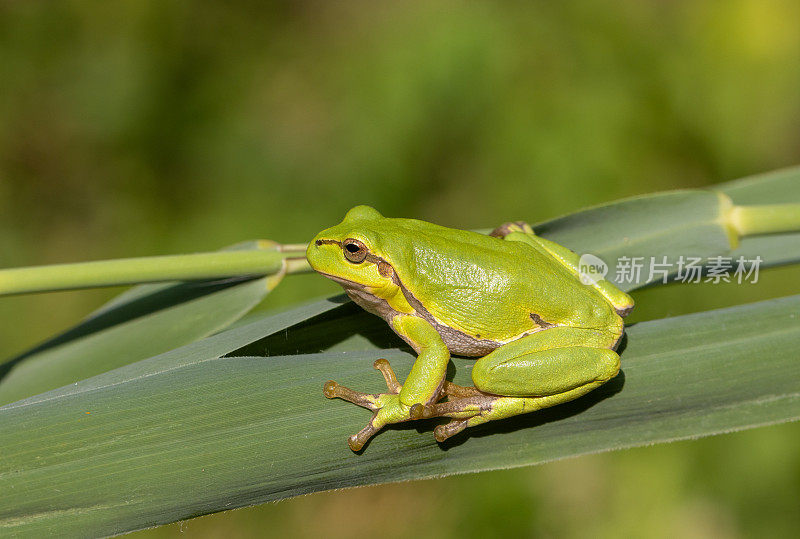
{"x": 486, "y": 287}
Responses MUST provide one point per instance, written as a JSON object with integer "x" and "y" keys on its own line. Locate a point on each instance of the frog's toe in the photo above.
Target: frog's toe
{"x": 423, "y": 411}
{"x": 417, "y": 411}
{"x": 443, "y": 432}
{"x": 388, "y": 375}
{"x": 378, "y": 421}
{"x": 332, "y": 390}
{"x": 357, "y": 441}
{"x": 388, "y": 409}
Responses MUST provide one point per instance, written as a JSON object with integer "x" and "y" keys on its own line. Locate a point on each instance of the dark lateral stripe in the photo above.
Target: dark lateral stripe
{"x": 369, "y": 258}
{"x": 328, "y": 242}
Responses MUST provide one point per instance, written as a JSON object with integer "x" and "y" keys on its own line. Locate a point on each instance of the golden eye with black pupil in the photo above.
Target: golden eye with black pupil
{"x": 354, "y": 250}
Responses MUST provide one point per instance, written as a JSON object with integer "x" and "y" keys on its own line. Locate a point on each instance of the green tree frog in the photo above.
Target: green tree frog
{"x": 512, "y": 299}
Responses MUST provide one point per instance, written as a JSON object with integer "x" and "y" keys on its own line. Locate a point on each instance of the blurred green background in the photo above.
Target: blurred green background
{"x": 135, "y": 128}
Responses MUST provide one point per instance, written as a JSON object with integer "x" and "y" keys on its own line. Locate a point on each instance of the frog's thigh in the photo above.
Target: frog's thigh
{"x": 549, "y": 363}
{"x": 544, "y": 369}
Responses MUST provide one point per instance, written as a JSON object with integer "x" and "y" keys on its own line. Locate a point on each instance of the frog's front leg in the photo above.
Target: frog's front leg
{"x": 403, "y": 402}
{"x": 543, "y": 369}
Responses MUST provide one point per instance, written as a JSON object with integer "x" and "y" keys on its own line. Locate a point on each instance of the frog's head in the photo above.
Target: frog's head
{"x": 350, "y": 252}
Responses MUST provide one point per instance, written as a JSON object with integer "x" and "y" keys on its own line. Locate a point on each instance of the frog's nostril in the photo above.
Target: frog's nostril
{"x": 318, "y": 243}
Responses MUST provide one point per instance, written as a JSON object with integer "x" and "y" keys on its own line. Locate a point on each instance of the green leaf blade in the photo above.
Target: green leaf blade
{"x": 172, "y": 315}
{"x": 142, "y": 322}
{"x": 216, "y": 434}
{"x": 775, "y": 187}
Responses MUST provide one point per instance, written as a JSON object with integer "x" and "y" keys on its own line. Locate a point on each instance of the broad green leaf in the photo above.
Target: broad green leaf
{"x": 140, "y": 323}
{"x": 671, "y": 225}
{"x": 259, "y": 327}
{"x": 679, "y": 223}
{"x": 155, "y": 445}
{"x": 769, "y": 188}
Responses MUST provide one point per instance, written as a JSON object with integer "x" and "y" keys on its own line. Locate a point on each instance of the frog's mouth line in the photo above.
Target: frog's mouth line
{"x": 342, "y": 281}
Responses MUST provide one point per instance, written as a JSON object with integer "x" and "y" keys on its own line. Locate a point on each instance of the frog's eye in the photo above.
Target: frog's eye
{"x": 354, "y": 250}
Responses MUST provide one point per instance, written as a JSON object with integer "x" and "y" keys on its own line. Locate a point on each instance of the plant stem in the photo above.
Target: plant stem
{"x": 127, "y": 271}
{"x": 765, "y": 219}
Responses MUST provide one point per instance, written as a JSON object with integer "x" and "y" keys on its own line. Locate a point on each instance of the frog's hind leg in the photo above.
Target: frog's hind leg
{"x": 475, "y": 411}
{"x": 507, "y": 228}
{"x": 538, "y": 371}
